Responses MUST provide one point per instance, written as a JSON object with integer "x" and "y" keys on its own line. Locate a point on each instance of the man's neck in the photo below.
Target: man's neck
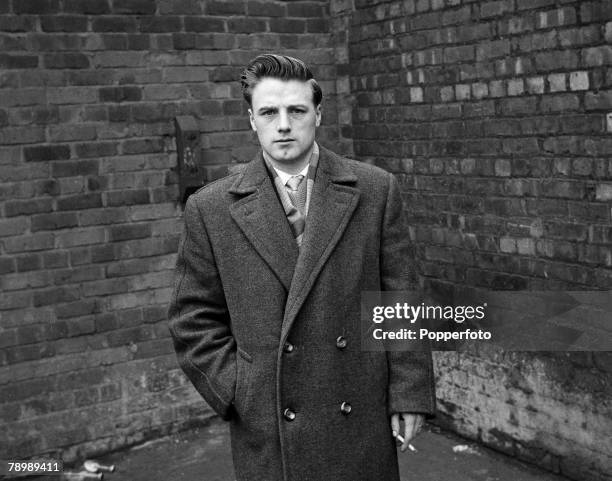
{"x": 294, "y": 167}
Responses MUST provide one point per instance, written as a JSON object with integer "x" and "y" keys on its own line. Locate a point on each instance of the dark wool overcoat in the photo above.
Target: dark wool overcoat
{"x": 270, "y": 335}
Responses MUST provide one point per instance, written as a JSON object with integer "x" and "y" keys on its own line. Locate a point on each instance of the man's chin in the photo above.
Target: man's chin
{"x": 284, "y": 156}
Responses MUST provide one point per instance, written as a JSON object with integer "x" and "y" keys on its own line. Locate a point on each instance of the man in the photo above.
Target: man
{"x": 266, "y": 310}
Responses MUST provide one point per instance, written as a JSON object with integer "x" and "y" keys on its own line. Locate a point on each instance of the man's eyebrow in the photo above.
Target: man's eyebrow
{"x": 266, "y": 107}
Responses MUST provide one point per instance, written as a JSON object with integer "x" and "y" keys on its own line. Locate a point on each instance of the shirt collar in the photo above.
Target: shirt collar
{"x": 284, "y": 176}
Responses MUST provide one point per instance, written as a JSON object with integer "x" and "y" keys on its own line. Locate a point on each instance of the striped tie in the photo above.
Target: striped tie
{"x": 296, "y": 194}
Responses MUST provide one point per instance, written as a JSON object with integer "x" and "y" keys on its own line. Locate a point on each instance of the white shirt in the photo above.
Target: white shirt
{"x": 284, "y": 176}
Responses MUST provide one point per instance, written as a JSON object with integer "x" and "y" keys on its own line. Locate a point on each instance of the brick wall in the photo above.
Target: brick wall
{"x": 493, "y": 114}
{"x": 88, "y": 188}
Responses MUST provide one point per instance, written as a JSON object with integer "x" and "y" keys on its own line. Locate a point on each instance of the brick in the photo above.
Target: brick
{"x": 7, "y": 265}
{"x": 53, "y": 221}
{"x": 559, "y": 103}
{"x": 537, "y": 41}
{"x": 114, "y": 24}
{"x": 579, "y": 36}
{"x": 304, "y": 9}
{"x": 204, "y": 24}
{"x": 579, "y": 81}
{"x": 63, "y": 23}
{"x": 46, "y": 152}
{"x": 26, "y": 207}
{"x": 556, "y": 82}
{"x": 11, "y": 227}
{"x": 66, "y": 60}
{"x": 80, "y": 237}
{"x": 461, "y": 53}
{"x": 96, "y": 149}
{"x": 597, "y": 56}
{"x": 462, "y": 92}
{"x": 129, "y": 231}
{"x": 535, "y": 85}
{"x": 480, "y": 90}
{"x": 186, "y": 74}
{"x": 493, "y": 49}
{"x": 456, "y": 16}
{"x": 161, "y": 24}
{"x": 595, "y": 11}
{"x": 79, "y": 201}
{"x": 516, "y": 25}
{"x": 245, "y": 25}
{"x": 138, "y": 42}
{"x": 601, "y": 100}
{"x": 554, "y": 60}
{"x": 266, "y": 9}
{"x": 529, "y": 4}
{"x": 515, "y": 87}
{"x": 72, "y": 168}
{"x": 180, "y": 7}
{"x": 11, "y": 23}
{"x": 142, "y": 146}
{"x": 120, "y": 94}
{"x": 27, "y": 263}
{"x": 91, "y": 7}
{"x": 518, "y": 106}
{"x": 127, "y": 197}
{"x": 286, "y": 25}
{"x": 134, "y": 6}
{"x": 556, "y": 18}
{"x": 230, "y": 7}
{"x": 37, "y": 7}
{"x": 55, "y": 259}
{"x": 495, "y": 9}
{"x": 18, "y": 61}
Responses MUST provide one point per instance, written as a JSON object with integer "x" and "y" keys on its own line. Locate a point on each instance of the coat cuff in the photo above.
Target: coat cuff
{"x": 419, "y": 402}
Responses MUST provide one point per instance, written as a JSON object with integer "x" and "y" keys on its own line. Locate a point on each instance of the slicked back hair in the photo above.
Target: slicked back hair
{"x": 277, "y": 66}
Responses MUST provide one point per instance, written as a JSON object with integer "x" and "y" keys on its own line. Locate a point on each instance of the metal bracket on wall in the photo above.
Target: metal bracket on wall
{"x": 192, "y": 174}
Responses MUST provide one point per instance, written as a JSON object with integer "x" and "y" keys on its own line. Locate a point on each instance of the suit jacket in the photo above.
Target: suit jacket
{"x": 270, "y": 336}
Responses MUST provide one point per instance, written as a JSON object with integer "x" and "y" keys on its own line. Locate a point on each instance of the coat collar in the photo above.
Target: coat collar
{"x": 254, "y": 173}
{"x": 260, "y": 216}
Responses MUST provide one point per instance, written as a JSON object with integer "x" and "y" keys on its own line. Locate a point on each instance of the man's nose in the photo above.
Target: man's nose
{"x": 284, "y": 123}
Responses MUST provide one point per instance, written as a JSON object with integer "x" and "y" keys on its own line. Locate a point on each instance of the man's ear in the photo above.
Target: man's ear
{"x": 252, "y": 120}
{"x": 318, "y": 115}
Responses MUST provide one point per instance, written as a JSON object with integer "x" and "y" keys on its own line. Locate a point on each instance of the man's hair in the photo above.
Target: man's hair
{"x": 281, "y": 67}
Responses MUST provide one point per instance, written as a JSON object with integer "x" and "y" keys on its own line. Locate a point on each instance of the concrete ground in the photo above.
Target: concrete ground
{"x": 204, "y": 455}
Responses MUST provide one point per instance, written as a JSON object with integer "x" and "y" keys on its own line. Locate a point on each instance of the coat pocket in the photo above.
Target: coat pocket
{"x": 244, "y": 363}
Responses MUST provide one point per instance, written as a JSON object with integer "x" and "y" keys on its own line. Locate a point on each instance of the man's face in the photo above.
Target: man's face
{"x": 285, "y": 118}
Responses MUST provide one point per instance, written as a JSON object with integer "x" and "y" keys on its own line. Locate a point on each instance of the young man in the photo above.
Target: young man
{"x": 266, "y": 310}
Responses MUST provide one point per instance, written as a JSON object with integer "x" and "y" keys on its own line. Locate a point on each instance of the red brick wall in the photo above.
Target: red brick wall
{"x": 89, "y": 219}
{"x": 493, "y": 114}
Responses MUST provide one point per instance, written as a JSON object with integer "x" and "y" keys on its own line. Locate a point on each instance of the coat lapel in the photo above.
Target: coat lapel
{"x": 261, "y": 218}
{"x": 332, "y": 204}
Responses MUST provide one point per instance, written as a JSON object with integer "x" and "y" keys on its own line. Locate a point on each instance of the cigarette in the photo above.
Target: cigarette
{"x": 400, "y": 438}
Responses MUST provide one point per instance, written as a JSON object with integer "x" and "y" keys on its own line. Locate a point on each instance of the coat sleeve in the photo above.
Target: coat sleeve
{"x": 199, "y": 319}
{"x": 411, "y": 384}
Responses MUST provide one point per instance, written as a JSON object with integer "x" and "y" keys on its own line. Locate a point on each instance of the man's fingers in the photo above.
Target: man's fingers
{"x": 409, "y": 430}
{"x": 395, "y": 424}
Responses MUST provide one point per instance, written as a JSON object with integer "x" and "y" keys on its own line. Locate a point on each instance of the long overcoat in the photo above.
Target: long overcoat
{"x": 270, "y": 335}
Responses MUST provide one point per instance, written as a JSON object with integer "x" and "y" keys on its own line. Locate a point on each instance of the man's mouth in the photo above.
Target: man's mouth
{"x": 283, "y": 141}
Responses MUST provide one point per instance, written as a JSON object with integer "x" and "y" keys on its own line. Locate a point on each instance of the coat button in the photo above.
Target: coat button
{"x": 345, "y": 408}
{"x": 341, "y": 342}
{"x": 289, "y": 414}
{"x": 288, "y": 347}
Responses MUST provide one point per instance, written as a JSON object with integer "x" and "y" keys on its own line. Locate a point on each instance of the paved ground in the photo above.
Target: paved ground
{"x": 204, "y": 455}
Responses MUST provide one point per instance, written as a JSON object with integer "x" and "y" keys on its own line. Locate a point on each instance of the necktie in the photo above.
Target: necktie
{"x": 297, "y": 192}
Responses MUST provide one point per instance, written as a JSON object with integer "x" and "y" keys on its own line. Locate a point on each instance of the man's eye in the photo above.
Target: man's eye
{"x": 298, "y": 111}
{"x": 268, "y": 112}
